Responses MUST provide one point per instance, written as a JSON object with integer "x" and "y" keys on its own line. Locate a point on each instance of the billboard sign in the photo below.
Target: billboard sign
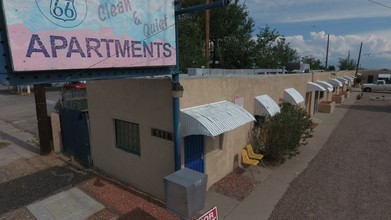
{"x": 45, "y": 35}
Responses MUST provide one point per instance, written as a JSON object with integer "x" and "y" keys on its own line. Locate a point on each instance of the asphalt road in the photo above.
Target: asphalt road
{"x": 19, "y": 110}
{"x": 350, "y": 178}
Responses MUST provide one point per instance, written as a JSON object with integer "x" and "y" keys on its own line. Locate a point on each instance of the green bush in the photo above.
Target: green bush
{"x": 280, "y": 136}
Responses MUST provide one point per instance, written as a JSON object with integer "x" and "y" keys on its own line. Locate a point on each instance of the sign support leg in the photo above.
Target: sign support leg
{"x": 43, "y": 119}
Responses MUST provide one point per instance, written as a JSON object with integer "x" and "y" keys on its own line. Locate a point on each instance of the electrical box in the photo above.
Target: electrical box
{"x": 185, "y": 192}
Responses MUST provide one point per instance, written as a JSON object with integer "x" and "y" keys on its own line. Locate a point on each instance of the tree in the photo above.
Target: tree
{"x": 280, "y": 136}
{"x": 230, "y": 36}
{"x": 231, "y": 29}
{"x": 191, "y": 37}
{"x": 331, "y": 68}
{"x": 346, "y": 64}
{"x": 315, "y": 64}
{"x": 271, "y": 50}
{"x": 231, "y": 41}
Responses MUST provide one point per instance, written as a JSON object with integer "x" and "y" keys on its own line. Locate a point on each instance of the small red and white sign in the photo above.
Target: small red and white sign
{"x": 210, "y": 215}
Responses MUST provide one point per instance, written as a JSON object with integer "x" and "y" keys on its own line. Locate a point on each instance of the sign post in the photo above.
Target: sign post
{"x": 210, "y": 215}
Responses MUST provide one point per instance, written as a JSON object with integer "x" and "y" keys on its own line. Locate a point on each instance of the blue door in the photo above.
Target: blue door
{"x": 75, "y": 135}
{"x": 194, "y": 153}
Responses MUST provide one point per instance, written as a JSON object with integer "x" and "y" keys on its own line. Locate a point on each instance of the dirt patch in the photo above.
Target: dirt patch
{"x": 235, "y": 185}
{"x": 3, "y": 144}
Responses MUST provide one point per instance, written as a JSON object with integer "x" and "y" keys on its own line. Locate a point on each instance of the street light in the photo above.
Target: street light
{"x": 177, "y": 90}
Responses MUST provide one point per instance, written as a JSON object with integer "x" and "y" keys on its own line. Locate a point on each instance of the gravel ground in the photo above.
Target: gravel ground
{"x": 350, "y": 178}
{"x": 235, "y": 185}
{"x": 123, "y": 201}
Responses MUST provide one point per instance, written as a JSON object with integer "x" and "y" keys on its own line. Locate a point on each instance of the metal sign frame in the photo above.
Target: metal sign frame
{"x": 9, "y": 77}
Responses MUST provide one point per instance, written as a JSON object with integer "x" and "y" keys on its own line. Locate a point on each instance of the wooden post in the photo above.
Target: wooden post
{"x": 43, "y": 119}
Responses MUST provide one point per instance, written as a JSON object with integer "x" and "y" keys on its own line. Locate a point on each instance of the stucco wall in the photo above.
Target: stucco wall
{"x": 148, "y": 102}
{"x": 203, "y": 90}
{"x": 143, "y": 101}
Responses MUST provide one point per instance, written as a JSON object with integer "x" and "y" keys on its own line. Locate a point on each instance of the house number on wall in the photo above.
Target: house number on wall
{"x": 162, "y": 134}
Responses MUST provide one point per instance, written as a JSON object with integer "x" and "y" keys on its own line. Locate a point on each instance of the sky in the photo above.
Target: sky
{"x": 306, "y": 25}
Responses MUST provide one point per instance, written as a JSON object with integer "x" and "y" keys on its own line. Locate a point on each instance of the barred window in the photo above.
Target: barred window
{"x": 127, "y": 136}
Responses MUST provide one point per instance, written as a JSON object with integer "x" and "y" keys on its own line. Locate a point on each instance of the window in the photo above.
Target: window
{"x": 127, "y": 136}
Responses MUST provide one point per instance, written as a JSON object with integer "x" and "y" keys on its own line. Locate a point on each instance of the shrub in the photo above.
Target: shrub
{"x": 280, "y": 136}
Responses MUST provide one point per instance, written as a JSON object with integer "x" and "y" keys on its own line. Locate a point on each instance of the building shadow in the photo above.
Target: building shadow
{"x": 28, "y": 189}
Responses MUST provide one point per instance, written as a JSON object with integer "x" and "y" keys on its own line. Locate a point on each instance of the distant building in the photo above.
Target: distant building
{"x": 385, "y": 76}
{"x": 298, "y": 67}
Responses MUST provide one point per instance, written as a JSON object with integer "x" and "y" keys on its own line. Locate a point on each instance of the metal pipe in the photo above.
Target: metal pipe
{"x": 201, "y": 7}
{"x": 175, "y": 76}
{"x": 176, "y": 105}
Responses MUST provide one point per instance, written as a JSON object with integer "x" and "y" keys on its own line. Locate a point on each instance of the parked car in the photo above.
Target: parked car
{"x": 75, "y": 85}
{"x": 380, "y": 85}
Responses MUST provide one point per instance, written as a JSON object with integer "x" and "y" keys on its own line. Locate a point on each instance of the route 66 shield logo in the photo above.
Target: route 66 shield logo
{"x": 63, "y": 13}
{"x": 63, "y": 10}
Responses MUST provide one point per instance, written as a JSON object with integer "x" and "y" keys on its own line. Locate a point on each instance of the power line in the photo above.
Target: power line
{"x": 378, "y": 3}
{"x": 300, "y": 19}
{"x": 287, "y": 10}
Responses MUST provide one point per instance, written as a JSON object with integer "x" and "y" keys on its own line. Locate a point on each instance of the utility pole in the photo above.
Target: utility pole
{"x": 207, "y": 35}
{"x": 358, "y": 63}
{"x": 327, "y": 51}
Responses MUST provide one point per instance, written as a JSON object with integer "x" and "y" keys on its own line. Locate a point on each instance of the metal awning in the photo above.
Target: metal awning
{"x": 292, "y": 96}
{"x": 325, "y": 85}
{"x": 311, "y": 86}
{"x": 342, "y": 80}
{"x": 335, "y": 83}
{"x": 349, "y": 78}
{"x": 264, "y": 105}
{"x": 213, "y": 119}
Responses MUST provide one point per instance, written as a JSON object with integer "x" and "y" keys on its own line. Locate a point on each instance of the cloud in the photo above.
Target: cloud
{"x": 376, "y": 50}
{"x": 299, "y": 11}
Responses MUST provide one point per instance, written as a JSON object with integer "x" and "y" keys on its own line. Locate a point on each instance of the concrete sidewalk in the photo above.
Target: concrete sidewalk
{"x": 273, "y": 182}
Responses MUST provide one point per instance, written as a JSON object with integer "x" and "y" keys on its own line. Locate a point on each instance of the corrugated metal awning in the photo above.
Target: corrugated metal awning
{"x": 264, "y": 105}
{"x": 335, "y": 83}
{"x": 349, "y": 78}
{"x": 213, "y": 119}
{"x": 342, "y": 80}
{"x": 292, "y": 96}
{"x": 311, "y": 86}
{"x": 325, "y": 85}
